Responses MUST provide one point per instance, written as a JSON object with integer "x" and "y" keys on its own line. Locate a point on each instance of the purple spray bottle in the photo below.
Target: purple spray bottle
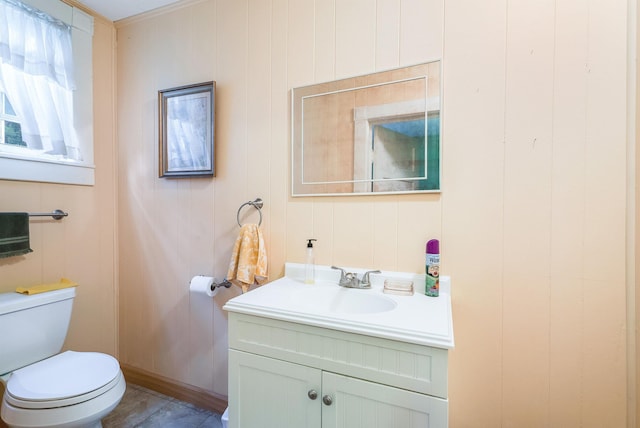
{"x": 432, "y": 268}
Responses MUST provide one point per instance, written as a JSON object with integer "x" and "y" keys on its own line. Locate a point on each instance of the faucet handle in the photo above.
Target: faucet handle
{"x": 342, "y": 272}
{"x": 345, "y": 278}
{"x": 365, "y": 278}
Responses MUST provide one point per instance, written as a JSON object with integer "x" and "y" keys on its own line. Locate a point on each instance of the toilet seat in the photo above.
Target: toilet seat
{"x": 84, "y": 414}
{"x": 63, "y": 380}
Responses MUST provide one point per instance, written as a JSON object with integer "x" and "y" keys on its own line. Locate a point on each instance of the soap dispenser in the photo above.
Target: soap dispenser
{"x": 309, "y": 267}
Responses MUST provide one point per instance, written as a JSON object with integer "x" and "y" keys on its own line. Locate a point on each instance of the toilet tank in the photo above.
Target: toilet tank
{"x": 33, "y": 327}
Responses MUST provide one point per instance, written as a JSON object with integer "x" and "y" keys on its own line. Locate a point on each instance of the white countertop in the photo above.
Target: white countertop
{"x": 415, "y": 319}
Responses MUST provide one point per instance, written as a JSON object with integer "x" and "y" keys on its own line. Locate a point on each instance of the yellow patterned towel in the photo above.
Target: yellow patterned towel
{"x": 249, "y": 258}
{"x": 63, "y": 283}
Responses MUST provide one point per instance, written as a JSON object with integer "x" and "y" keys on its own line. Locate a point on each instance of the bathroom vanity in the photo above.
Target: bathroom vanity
{"x": 326, "y": 356}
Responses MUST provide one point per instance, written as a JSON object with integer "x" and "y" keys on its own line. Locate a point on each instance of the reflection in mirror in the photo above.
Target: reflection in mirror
{"x": 378, "y": 133}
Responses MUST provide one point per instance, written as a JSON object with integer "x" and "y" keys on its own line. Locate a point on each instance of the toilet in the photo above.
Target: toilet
{"x": 43, "y": 387}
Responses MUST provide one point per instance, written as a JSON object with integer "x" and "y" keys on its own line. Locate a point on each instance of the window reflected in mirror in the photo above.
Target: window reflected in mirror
{"x": 378, "y": 133}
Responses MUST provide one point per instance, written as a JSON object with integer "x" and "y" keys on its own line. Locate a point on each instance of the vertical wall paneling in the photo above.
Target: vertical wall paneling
{"x": 388, "y": 26}
{"x": 259, "y": 103}
{"x": 634, "y": 264}
{"x": 300, "y": 42}
{"x": 568, "y": 197}
{"x": 604, "y": 221}
{"x": 385, "y": 233}
{"x": 279, "y": 154}
{"x": 355, "y": 37}
{"x": 324, "y": 212}
{"x": 355, "y": 226}
{"x": 300, "y": 71}
{"x": 472, "y": 198}
{"x": 531, "y": 216}
{"x": 233, "y": 103}
{"x": 106, "y": 177}
{"x": 420, "y": 31}
{"x": 324, "y": 40}
{"x": 415, "y": 213}
{"x": 82, "y": 246}
{"x": 527, "y": 212}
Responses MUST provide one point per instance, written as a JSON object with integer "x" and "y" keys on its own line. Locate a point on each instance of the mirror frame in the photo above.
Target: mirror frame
{"x": 360, "y": 115}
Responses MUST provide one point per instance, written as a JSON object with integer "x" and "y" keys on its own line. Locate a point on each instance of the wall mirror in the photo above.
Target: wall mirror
{"x": 372, "y": 134}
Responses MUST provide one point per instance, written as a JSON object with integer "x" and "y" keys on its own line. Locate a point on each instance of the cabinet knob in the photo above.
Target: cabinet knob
{"x": 327, "y": 400}
{"x": 313, "y": 394}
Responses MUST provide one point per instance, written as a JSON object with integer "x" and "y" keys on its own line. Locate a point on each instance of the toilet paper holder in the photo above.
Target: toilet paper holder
{"x": 225, "y": 283}
{"x": 202, "y": 284}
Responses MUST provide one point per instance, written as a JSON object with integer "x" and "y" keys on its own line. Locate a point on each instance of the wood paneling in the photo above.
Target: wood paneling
{"x": 531, "y": 215}
{"x": 520, "y": 143}
{"x": 82, "y": 246}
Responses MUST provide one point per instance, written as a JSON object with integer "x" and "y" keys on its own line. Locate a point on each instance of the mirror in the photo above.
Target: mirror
{"x": 373, "y": 134}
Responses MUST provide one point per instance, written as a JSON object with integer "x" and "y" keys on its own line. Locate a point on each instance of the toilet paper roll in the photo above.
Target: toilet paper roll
{"x": 202, "y": 285}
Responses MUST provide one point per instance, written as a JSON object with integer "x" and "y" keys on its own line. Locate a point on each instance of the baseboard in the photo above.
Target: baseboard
{"x": 182, "y": 391}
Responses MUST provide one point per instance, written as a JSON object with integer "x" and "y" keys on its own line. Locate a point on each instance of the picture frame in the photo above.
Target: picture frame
{"x": 187, "y": 131}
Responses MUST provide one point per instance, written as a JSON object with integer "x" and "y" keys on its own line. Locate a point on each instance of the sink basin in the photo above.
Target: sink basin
{"x": 340, "y": 300}
{"x": 370, "y": 312}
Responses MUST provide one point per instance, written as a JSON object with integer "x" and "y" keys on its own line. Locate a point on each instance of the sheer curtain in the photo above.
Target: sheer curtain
{"x": 36, "y": 71}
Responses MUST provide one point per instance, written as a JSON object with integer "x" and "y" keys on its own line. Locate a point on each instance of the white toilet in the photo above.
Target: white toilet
{"x": 45, "y": 388}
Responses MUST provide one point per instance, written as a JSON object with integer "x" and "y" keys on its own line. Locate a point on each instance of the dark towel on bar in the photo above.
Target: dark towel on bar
{"x": 14, "y": 234}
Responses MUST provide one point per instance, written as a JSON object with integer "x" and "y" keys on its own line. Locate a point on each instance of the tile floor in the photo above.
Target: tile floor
{"x": 142, "y": 407}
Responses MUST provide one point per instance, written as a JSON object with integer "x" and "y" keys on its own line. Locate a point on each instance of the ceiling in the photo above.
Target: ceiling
{"x": 120, "y": 9}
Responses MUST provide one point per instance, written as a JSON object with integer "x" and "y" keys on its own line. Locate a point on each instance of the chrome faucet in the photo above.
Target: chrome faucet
{"x": 350, "y": 279}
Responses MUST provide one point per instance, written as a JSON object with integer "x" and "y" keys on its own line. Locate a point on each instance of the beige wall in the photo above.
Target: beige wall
{"x": 82, "y": 246}
{"x": 531, "y": 216}
{"x": 540, "y": 268}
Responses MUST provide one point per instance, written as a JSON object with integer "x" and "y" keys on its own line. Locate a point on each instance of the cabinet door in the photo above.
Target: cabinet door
{"x": 357, "y": 403}
{"x": 269, "y": 393}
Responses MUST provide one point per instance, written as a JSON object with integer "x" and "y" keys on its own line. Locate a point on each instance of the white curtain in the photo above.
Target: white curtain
{"x": 36, "y": 70}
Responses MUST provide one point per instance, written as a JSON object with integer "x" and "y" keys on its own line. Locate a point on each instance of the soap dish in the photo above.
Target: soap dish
{"x": 401, "y": 287}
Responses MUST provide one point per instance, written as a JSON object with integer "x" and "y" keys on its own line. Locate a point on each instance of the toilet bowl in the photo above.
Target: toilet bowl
{"x": 72, "y": 389}
{"x": 44, "y": 388}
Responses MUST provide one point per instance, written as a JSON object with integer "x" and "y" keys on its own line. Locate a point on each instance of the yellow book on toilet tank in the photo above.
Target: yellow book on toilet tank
{"x": 41, "y": 288}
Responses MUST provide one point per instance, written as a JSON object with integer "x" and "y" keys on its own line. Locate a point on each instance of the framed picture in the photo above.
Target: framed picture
{"x": 187, "y": 125}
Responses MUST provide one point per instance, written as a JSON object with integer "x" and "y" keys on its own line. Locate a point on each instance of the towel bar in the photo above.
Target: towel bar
{"x": 56, "y": 214}
{"x": 257, "y": 204}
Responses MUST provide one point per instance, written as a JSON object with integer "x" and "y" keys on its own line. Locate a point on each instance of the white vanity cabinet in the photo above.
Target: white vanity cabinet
{"x": 272, "y": 393}
{"x": 284, "y": 374}
{"x": 324, "y": 356}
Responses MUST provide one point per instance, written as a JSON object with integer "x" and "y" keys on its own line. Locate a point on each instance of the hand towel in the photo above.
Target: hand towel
{"x": 14, "y": 234}
{"x": 248, "y": 263}
{"x": 63, "y": 283}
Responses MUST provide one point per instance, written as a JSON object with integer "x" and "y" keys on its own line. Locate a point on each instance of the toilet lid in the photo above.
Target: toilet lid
{"x": 62, "y": 376}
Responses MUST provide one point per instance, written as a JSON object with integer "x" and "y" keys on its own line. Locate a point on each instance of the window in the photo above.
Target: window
{"x": 10, "y": 130}
{"x": 46, "y": 121}
{"x": 409, "y": 148}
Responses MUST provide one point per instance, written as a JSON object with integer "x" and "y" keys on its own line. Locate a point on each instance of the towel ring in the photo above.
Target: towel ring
{"x": 257, "y": 204}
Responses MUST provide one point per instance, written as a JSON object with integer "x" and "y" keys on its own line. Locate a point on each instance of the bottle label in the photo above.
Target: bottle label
{"x": 432, "y": 281}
